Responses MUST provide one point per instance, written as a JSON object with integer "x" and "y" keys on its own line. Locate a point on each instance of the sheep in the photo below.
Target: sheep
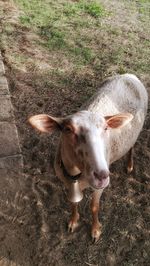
{"x": 100, "y": 133}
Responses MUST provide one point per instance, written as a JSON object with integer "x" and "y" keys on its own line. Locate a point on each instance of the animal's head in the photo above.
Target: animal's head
{"x": 86, "y": 136}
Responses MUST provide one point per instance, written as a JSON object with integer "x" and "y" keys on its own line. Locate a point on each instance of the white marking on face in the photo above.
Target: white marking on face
{"x": 92, "y": 146}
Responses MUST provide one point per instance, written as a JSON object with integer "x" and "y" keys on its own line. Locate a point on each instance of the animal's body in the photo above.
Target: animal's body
{"x": 121, "y": 94}
{"x": 103, "y": 131}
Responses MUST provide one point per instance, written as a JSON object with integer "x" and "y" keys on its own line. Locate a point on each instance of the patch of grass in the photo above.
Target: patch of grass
{"x": 25, "y": 20}
{"x": 144, "y": 8}
{"x": 93, "y": 8}
{"x": 36, "y": 12}
{"x": 85, "y": 54}
{"x": 76, "y": 32}
{"x": 51, "y": 20}
{"x": 39, "y": 13}
{"x": 142, "y": 1}
{"x": 72, "y": 9}
{"x": 54, "y": 37}
{"x": 9, "y": 28}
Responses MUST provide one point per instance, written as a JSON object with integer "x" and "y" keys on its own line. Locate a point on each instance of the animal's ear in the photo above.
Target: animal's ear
{"x": 45, "y": 123}
{"x": 119, "y": 120}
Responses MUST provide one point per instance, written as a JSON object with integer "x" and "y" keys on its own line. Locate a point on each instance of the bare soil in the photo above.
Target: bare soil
{"x": 38, "y": 235}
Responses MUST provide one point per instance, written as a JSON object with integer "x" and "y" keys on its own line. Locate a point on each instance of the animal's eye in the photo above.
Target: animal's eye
{"x": 68, "y": 129}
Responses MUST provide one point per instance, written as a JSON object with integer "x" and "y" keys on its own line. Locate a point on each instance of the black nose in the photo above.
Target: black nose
{"x": 103, "y": 174}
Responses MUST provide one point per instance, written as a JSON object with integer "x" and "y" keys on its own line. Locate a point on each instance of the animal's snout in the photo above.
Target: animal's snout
{"x": 100, "y": 179}
{"x": 101, "y": 175}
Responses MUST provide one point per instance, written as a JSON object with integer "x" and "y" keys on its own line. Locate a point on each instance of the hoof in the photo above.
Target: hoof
{"x": 72, "y": 226}
{"x": 129, "y": 169}
{"x": 96, "y": 232}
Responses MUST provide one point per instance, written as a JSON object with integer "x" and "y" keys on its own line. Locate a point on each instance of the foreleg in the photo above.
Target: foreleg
{"x": 96, "y": 226}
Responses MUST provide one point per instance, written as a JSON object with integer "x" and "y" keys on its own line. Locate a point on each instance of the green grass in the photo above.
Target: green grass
{"x": 93, "y": 8}
{"x": 143, "y": 1}
{"x": 38, "y": 12}
{"x": 69, "y": 26}
{"x": 55, "y": 38}
{"x": 76, "y": 32}
{"x": 60, "y": 24}
{"x": 144, "y": 8}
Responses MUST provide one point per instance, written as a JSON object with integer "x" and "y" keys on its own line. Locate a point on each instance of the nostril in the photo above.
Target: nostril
{"x": 103, "y": 174}
{"x": 96, "y": 175}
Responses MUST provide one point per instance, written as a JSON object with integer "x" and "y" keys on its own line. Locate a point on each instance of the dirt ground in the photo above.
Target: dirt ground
{"x": 38, "y": 236}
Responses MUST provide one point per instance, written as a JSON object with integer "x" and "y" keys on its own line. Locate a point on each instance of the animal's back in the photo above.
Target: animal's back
{"x": 121, "y": 94}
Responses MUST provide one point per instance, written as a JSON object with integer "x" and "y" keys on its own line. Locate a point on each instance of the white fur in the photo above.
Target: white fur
{"x": 120, "y": 94}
